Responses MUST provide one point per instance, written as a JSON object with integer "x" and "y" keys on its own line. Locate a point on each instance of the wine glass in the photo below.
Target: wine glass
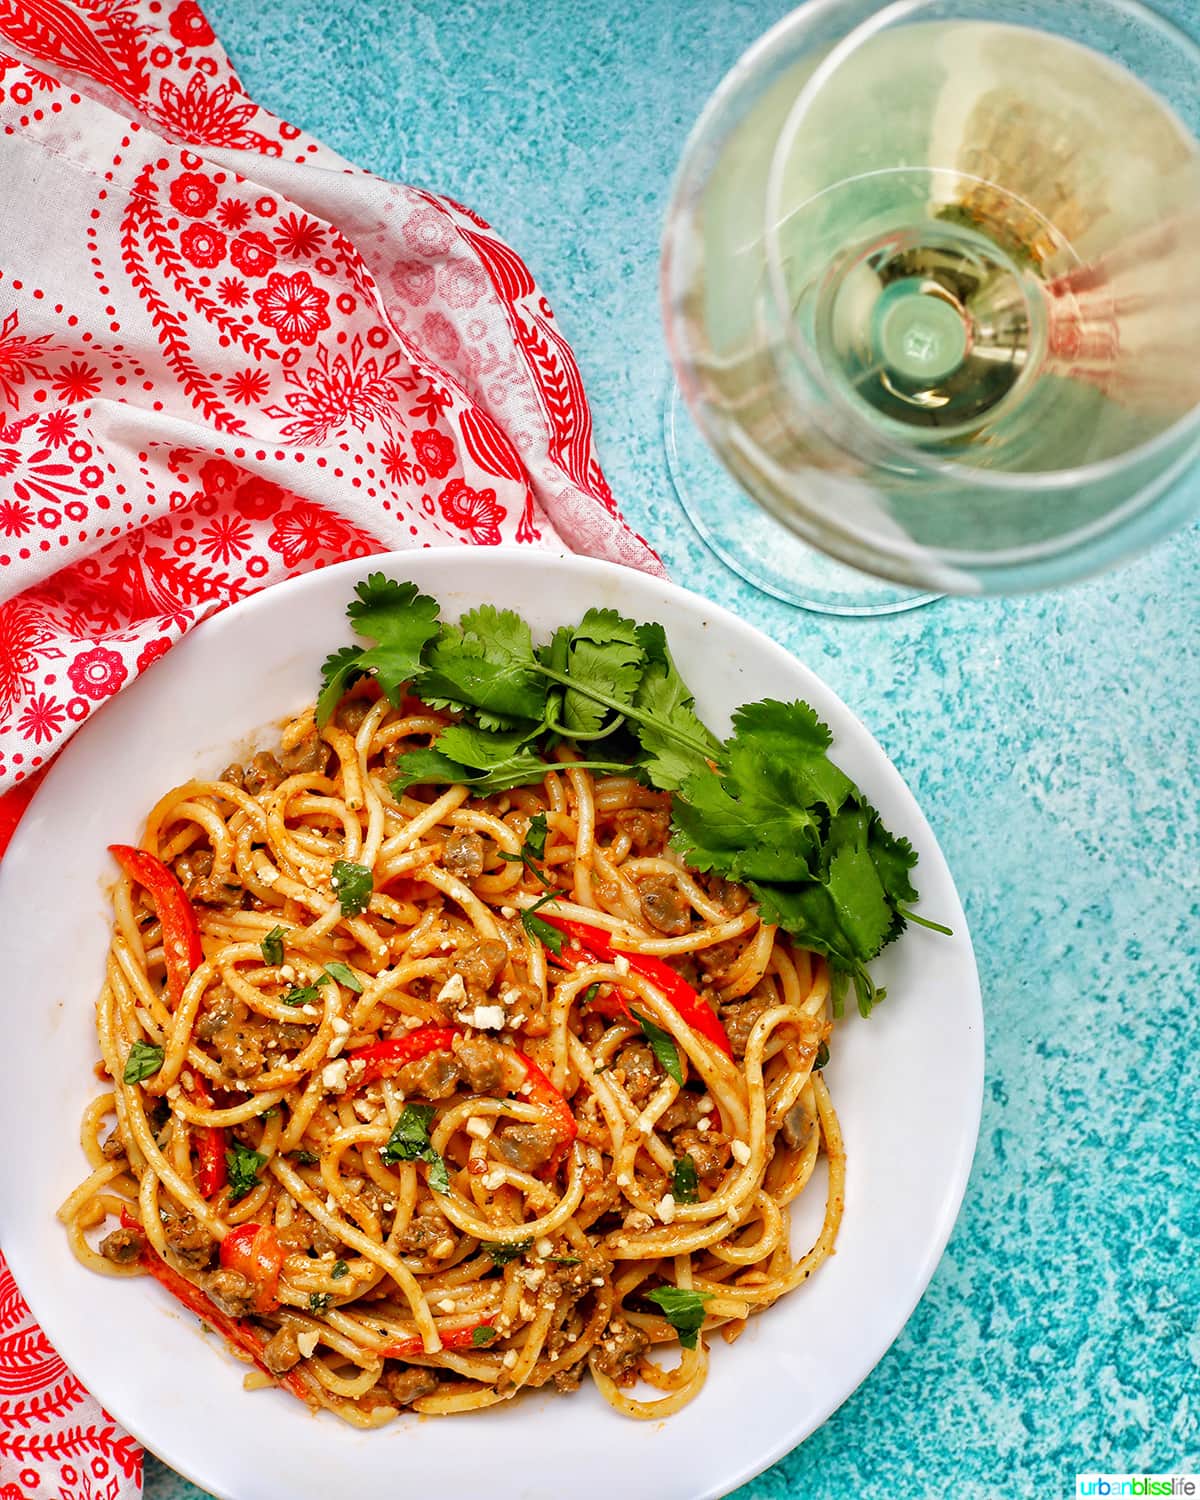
{"x": 929, "y": 289}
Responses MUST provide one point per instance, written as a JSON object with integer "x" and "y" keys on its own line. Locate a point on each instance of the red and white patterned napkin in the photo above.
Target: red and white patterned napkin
{"x": 226, "y": 357}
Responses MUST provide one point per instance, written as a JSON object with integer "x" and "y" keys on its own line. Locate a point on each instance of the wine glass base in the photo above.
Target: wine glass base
{"x": 757, "y": 547}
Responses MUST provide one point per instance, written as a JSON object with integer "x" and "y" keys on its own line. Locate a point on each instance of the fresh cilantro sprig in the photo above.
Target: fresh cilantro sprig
{"x": 662, "y": 1044}
{"x": 144, "y": 1060}
{"x": 685, "y": 1182}
{"x": 505, "y": 1250}
{"x": 244, "y": 1166}
{"x": 352, "y": 884}
{"x": 767, "y": 807}
{"x": 534, "y": 848}
{"x": 538, "y": 928}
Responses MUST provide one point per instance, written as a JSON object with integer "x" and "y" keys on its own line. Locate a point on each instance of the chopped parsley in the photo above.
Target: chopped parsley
{"x": 340, "y": 1269}
{"x": 662, "y": 1044}
{"x": 533, "y": 848}
{"x": 482, "y": 1336}
{"x": 683, "y": 1309}
{"x": 143, "y": 1061}
{"x": 272, "y": 946}
{"x": 319, "y": 1301}
{"x": 352, "y": 884}
{"x": 307, "y": 1158}
{"x": 244, "y": 1167}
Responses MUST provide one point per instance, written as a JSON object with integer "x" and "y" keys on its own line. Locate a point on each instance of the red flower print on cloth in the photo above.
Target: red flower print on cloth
{"x": 42, "y": 719}
{"x": 20, "y": 358}
{"x": 15, "y": 519}
{"x": 476, "y": 512}
{"x": 298, "y": 235}
{"x": 97, "y": 674}
{"x": 226, "y": 538}
{"x": 57, "y": 428}
{"x": 232, "y": 292}
{"x": 434, "y": 451}
{"x": 76, "y": 381}
{"x": 153, "y": 651}
{"x": 194, "y": 194}
{"x": 203, "y": 245}
{"x": 189, "y": 27}
{"x": 304, "y": 530}
{"x": 259, "y": 498}
{"x": 252, "y": 254}
{"x": 218, "y": 476}
{"x": 293, "y": 307}
{"x": 349, "y": 390}
{"x": 414, "y": 281}
{"x": 233, "y": 214}
{"x": 219, "y": 117}
{"x": 248, "y": 387}
{"x": 397, "y": 464}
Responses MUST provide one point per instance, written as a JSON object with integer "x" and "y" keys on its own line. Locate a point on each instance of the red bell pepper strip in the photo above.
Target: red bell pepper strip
{"x": 211, "y": 1170}
{"x": 240, "y": 1334}
{"x": 254, "y": 1252}
{"x": 385, "y": 1059}
{"x": 595, "y": 940}
{"x": 458, "y": 1338}
{"x": 182, "y": 950}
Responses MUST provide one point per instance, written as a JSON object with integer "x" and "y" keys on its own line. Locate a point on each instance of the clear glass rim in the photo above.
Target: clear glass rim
{"x": 1179, "y": 433}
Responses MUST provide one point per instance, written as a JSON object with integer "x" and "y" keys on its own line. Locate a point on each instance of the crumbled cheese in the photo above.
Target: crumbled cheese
{"x": 508, "y": 911}
{"x": 173, "y": 1092}
{"x": 287, "y": 972}
{"x": 341, "y": 1025}
{"x": 639, "y": 1220}
{"x": 442, "y": 1249}
{"x": 447, "y": 1305}
{"x": 266, "y": 875}
{"x": 309, "y": 1010}
{"x": 597, "y": 1280}
{"x": 333, "y": 1075}
{"x": 307, "y": 1341}
{"x": 623, "y": 1179}
{"x": 741, "y": 1152}
{"x": 478, "y": 1127}
{"x": 666, "y": 1208}
{"x": 484, "y": 1017}
{"x": 496, "y": 1178}
{"x": 621, "y": 963}
{"x": 526, "y": 1089}
{"x": 545, "y": 1247}
{"x": 527, "y": 1309}
{"x": 331, "y": 1204}
{"x": 510, "y": 1358}
{"x": 453, "y": 992}
{"x": 705, "y": 1106}
{"x": 704, "y": 1125}
{"x": 533, "y": 1276}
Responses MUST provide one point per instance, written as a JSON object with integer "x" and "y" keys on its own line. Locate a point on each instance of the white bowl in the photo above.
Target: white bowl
{"x": 907, "y": 1084}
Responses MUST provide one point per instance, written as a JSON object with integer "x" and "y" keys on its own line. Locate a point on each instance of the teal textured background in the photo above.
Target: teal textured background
{"x": 1051, "y": 740}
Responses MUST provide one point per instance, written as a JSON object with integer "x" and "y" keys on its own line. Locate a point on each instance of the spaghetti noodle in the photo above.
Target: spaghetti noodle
{"x": 424, "y": 1101}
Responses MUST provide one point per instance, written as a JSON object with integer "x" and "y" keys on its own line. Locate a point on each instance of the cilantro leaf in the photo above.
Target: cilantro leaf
{"x": 402, "y": 622}
{"x": 344, "y": 975}
{"x": 590, "y": 994}
{"x": 409, "y": 1141}
{"x": 663, "y": 699}
{"x": 603, "y": 651}
{"x": 535, "y": 836}
{"x": 243, "y": 1166}
{"x": 319, "y": 1301}
{"x": 504, "y": 1251}
{"x": 854, "y": 886}
{"x": 821, "y": 1058}
{"x": 430, "y": 767}
{"x": 482, "y": 749}
{"x": 685, "y": 1184}
{"x": 307, "y": 1158}
{"x": 537, "y": 927}
{"x": 340, "y": 1269}
{"x": 143, "y": 1061}
{"x": 683, "y": 1309}
{"x": 352, "y": 884}
{"x": 339, "y": 670}
{"x": 482, "y": 1336}
{"x": 272, "y": 946}
{"x": 301, "y": 994}
{"x": 485, "y": 663}
{"x": 662, "y": 1044}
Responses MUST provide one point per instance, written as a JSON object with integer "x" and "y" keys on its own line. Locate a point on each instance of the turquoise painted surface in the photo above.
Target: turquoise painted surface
{"x": 1052, "y": 741}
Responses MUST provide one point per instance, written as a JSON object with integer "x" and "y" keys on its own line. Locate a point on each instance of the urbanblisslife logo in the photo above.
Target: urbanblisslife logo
{"x": 1114, "y": 1485}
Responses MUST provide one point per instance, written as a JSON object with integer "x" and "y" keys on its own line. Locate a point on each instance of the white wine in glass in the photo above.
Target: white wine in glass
{"x": 930, "y": 288}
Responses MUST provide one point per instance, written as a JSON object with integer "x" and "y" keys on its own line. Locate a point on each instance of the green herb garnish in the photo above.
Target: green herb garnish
{"x": 662, "y": 1044}
{"x": 590, "y": 994}
{"x": 532, "y": 849}
{"x": 821, "y": 1058}
{"x": 307, "y": 1158}
{"x": 766, "y": 807}
{"x": 340, "y": 1269}
{"x": 143, "y": 1061}
{"x": 344, "y": 975}
{"x": 319, "y": 1301}
{"x": 243, "y": 1166}
{"x": 683, "y": 1309}
{"x": 507, "y": 1250}
{"x": 272, "y": 946}
{"x": 352, "y": 884}
{"x": 685, "y": 1184}
{"x": 482, "y": 1336}
{"x": 538, "y": 928}
{"x": 409, "y": 1141}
